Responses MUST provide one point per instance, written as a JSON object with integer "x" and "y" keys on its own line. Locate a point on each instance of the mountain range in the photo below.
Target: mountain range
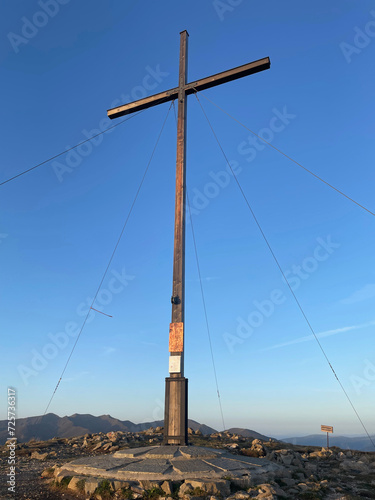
{"x": 51, "y": 425}
{"x": 362, "y": 443}
{"x": 48, "y": 426}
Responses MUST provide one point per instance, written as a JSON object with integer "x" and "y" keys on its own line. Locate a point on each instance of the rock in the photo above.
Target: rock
{"x": 280, "y": 493}
{"x": 240, "y": 495}
{"x": 167, "y": 488}
{"x": 48, "y": 472}
{"x": 297, "y": 462}
{"x": 258, "y": 448}
{"x": 91, "y": 484}
{"x": 243, "y": 482}
{"x": 220, "y": 487}
{"x": 39, "y": 456}
{"x": 352, "y": 465}
{"x": 184, "y": 488}
{"x": 190, "y": 431}
{"x": 112, "y": 436}
{"x": 117, "y": 484}
{"x": 293, "y": 493}
{"x": 303, "y": 486}
{"x": 62, "y": 475}
{"x": 159, "y": 429}
{"x": 77, "y": 483}
{"x": 288, "y": 481}
{"x": 147, "y": 484}
{"x": 286, "y": 459}
{"x": 310, "y": 467}
{"x": 137, "y": 489}
{"x": 271, "y": 456}
{"x": 299, "y": 476}
{"x": 266, "y": 491}
{"x": 284, "y": 472}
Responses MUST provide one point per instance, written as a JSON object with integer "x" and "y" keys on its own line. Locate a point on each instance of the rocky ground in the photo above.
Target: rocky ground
{"x": 306, "y": 473}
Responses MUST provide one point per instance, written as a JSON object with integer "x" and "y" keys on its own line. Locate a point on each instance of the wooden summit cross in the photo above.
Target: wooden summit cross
{"x": 175, "y": 413}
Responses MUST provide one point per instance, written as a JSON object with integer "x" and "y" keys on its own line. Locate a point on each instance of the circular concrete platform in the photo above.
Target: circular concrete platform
{"x": 170, "y": 463}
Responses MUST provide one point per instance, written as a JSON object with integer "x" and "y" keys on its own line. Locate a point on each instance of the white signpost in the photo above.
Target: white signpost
{"x": 328, "y": 429}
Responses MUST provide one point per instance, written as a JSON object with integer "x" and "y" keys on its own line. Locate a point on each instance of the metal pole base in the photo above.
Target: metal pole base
{"x": 175, "y": 413}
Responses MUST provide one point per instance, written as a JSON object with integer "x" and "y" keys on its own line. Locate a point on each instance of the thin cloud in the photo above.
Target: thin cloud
{"x": 367, "y": 292}
{"x": 320, "y": 335}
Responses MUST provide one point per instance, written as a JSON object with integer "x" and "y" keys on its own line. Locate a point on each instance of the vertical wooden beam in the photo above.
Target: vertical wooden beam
{"x": 178, "y": 300}
{"x": 175, "y": 418}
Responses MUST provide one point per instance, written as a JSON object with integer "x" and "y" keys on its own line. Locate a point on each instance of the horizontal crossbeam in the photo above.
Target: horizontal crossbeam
{"x": 190, "y": 88}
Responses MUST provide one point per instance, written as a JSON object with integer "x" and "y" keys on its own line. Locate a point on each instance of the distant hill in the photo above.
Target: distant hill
{"x": 51, "y": 425}
{"x": 248, "y": 433}
{"x": 361, "y": 443}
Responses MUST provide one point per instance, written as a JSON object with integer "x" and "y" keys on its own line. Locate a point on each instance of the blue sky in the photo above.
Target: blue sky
{"x": 62, "y": 66}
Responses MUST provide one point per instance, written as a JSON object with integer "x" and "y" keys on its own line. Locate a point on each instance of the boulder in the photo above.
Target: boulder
{"x": 118, "y": 484}
{"x": 241, "y": 482}
{"x": 352, "y": 465}
{"x": 219, "y": 487}
{"x": 48, "y": 472}
{"x": 60, "y": 473}
{"x": 91, "y": 484}
{"x": 184, "y": 489}
{"x": 288, "y": 481}
{"x": 76, "y": 482}
{"x": 39, "y": 456}
{"x": 286, "y": 459}
{"x": 303, "y": 486}
{"x": 148, "y": 484}
{"x": 240, "y": 495}
{"x": 167, "y": 487}
{"x": 267, "y": 492}
{"x": 112, "y": 436}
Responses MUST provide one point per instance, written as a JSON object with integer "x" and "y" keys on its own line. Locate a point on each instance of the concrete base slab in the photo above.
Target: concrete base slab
{"x": 175, "y": 463}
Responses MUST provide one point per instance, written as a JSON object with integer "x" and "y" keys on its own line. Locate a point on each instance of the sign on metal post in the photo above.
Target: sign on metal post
{"x": 328, "y": 429}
